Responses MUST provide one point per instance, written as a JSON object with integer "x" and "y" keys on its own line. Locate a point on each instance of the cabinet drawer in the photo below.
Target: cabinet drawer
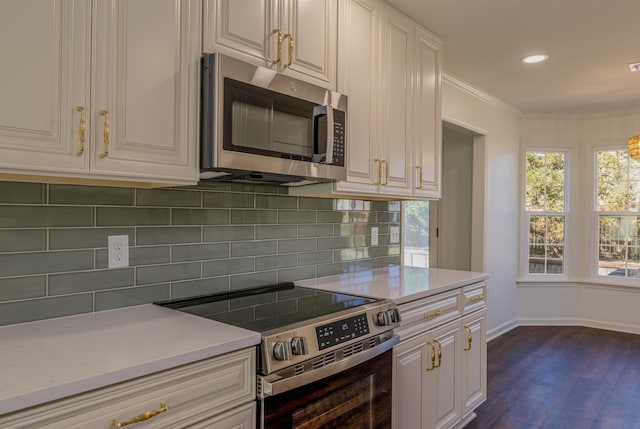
{"x": 474, "y": 297}
{"x": 192, "y": 393}
{"x": 419, "y": 315}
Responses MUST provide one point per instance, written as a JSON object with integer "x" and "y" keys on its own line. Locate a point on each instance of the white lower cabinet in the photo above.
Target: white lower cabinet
{"x": 474, "y": 361}
{"x": 213, "y": 393}
{"x": 439, "y": 373}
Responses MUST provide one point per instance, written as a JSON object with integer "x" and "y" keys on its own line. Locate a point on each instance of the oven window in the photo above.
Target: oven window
{"x": 357, "y": 398}
{"x": 351, "y": 406}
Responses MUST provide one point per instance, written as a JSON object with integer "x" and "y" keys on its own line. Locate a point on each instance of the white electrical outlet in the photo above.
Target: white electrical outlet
{"x": 118, "y": 251}
{"x": 394, "y": 233}
{"x": 374, "y": 236}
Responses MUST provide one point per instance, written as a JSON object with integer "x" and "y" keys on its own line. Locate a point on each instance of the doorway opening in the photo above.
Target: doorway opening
{"x": 449, "y": 233}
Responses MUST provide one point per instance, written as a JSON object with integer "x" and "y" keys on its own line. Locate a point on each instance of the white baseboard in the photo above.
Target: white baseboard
{"x": 588, "y": 323}
{"x": 502, "y": 329}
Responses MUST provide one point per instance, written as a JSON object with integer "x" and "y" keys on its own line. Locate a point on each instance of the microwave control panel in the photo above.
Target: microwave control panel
{"x": 338, "y": 137}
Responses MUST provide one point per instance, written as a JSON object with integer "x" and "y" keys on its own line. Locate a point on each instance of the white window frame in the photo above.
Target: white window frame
{"x": 593, "y": 236}
{"x": 525, "y": 275}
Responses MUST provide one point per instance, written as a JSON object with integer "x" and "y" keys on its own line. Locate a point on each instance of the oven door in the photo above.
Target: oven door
{"x": 359, "y": 397}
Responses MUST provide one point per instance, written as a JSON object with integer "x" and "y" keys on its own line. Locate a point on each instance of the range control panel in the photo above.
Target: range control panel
{"x": 341, "y": 331}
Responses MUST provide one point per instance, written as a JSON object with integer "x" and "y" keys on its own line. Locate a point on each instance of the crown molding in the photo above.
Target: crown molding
{"x": 479, "y": 94}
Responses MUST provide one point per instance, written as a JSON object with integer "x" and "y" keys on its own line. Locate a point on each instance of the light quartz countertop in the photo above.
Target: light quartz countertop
{"x": 50, "y": 359}
{"x": 400, "y": 284}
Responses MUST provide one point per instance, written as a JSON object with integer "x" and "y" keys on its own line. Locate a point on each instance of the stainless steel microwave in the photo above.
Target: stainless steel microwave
{"x": 258, "y": 124}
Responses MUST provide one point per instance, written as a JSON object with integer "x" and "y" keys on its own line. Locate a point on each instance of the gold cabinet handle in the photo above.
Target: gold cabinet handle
{"x": 477, "y": 298}
{"x": 82, "y": 130}
{"x": 379, "y": 162}
{"x": 419, "y": 178}
{"x": 433, "y": 357}
{"x": 386, "y": 173}
{"x": 434, "y": 314}
{"x": 279, "y": 33}
{"x": 106, "y": 135}
{"x": 469, "y": 338}
{"x": 436, "y": 342}
{"x": 290, "y": 37}
{"x": 141, "y": 418}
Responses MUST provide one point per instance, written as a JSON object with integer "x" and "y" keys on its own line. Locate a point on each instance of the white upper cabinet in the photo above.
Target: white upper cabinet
{"x": 396, "y": 66}
{"x": 427, "y": 128}
{"x": 375, "y": 63}
{"x": 390, "y": 70}
{"x": 44, "y": 85}
{"x": 146, "y": 68}
{"x": 295, "y": 37}
{"x": 100, "y": 90}
{"x": 358, "y": 77}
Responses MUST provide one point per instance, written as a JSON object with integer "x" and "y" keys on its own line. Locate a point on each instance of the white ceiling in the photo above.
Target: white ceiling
{"x": 589, "y": 42}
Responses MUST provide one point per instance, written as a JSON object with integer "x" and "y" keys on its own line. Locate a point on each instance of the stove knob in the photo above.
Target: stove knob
{"x": 394, "y": 315}
{"x": 299, "y": 346}
{"x": 282, "y": 350}
{"x": 383, "y": 318}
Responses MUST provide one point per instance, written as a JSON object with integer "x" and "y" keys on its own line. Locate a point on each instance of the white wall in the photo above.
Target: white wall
{"x": 581, "y": 297}
{"x": 454, "y": 209}
{"x": 464, "y": 106}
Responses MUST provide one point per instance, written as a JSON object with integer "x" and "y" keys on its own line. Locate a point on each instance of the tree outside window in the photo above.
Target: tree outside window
{"x": 545, "y": 211}
{"x": 618, "y": 207}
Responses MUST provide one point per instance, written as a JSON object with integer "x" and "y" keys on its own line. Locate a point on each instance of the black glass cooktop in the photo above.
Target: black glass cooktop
{"x": 269, "y": 307}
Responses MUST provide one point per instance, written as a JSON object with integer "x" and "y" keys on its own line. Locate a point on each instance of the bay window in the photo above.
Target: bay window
{"x": 545, "y": 211}
{"x": 617, "y": 208}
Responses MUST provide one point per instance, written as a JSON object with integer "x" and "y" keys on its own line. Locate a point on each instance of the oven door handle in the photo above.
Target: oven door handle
{"x": 273, "y": 384}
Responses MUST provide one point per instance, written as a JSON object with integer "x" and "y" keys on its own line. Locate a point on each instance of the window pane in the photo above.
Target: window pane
{"x": 546, "y": 244}
{"x": 415, "y": 235}
{"x": 554, "y": 259}
{"x": 555, "y": 197}
{"x": 618, "y": 253}
{"x": 555, "y": 229}
{"x": 545, "y": 181}
{"x": 618, "y": 178}
{"x": 536, "y": 259}
{"x": 537, "y": 229}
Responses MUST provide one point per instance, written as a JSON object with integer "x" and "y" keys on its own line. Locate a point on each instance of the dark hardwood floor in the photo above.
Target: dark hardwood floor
{"x": 562, "y": 378}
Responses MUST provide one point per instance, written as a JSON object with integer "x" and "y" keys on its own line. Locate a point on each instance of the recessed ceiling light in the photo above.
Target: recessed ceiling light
{"x": 634, "y": 67}
{"x": 531, "y": 59}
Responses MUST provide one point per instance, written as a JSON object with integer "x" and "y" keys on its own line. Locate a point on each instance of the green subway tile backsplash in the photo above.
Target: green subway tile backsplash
{"x": 22, "y": 240}
{"x": 182, "y": 242}
{"x": 84, "y": 238}
{"x": 167, "y": 198}
{"x": 22, "y": 287}
{"x": 90, "y": 195}
{"x": 21, "y": 193}
{"x": 44, "y": 216}
{"x": 64, "y": 284}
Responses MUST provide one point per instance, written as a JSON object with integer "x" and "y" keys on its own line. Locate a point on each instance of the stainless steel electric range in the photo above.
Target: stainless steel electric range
{"x": 321, "y": 353}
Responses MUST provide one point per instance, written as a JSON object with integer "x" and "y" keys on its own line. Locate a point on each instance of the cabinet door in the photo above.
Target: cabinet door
{"x": 44, "y": 75}
{"x": 239, "y": 418}
{"x": 396, "y": 81}
{"x": 312, "y": 26}
{"x": 241, "y": 28}
{"x": 358, "y": 80}
{"x": 410, "y": 361}
{"x": 427, "y": 137}
{"x": 443, "y": 383}
{"x": 474, "y": 361}
{"x": 145, "y": 78}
